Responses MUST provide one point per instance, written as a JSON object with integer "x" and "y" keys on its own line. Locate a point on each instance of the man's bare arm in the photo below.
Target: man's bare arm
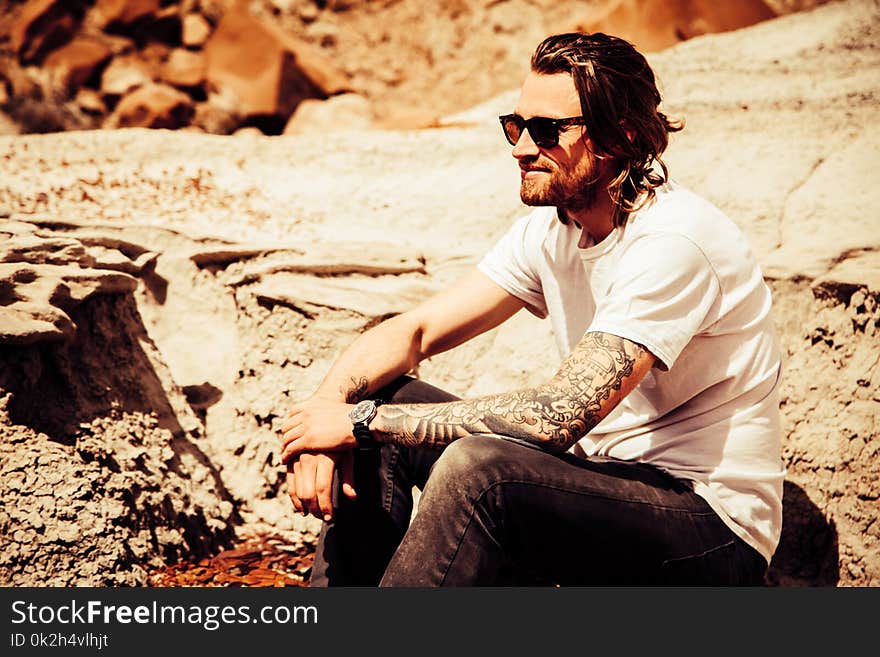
{"x": 470, "y": 306}
{"x": 601, "y": 370}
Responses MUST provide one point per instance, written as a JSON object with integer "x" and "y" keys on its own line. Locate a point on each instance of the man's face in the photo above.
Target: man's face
{"x": 567, "y": 175}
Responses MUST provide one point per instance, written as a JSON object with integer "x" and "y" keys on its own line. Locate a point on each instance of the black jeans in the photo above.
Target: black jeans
{"x": 497, "y": 512}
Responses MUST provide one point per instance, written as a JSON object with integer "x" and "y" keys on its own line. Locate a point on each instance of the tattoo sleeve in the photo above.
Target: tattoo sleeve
{"x": 554, "y": 415}
{"x": 355, "y": 392}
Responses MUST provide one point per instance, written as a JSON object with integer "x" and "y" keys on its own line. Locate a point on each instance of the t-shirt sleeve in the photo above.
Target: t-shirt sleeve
{"x": 510, "y": 264}
{"x": 660, "y": 295}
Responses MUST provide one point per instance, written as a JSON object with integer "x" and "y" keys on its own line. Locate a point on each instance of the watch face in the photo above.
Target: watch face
{"x": 362, "y": 411}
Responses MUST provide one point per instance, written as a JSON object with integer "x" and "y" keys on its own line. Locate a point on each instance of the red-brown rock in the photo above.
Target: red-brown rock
{"x": 153, "y": 106}
{"x": 184, "y": 68}
{"x": 124, "y": 74}
{"x": 72, "y": 65}
{"x": 267, "y": 71}
{"x": 123, "y": 12}
{"x": 42, "y": 26}
{"x": 652, "y": 25}
{"x": 90, "y": 102}
{"x": 195, "y": 31}
{"x": 343, "y": 112}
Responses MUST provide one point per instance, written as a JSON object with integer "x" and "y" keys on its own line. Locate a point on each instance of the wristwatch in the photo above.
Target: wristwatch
{"x": 361, "y": 416}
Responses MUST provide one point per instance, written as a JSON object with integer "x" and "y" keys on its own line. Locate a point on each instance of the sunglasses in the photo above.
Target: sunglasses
{"x": 544, "y": 131}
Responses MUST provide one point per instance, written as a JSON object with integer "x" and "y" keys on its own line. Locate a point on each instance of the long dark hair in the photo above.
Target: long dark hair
{"x": 618, "y": 95}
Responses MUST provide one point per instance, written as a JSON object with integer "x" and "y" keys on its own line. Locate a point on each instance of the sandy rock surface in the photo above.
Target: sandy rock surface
{"x": 236, "y": 267}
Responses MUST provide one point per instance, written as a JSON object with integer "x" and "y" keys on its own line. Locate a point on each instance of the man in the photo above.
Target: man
{"x": 651, "y": 457}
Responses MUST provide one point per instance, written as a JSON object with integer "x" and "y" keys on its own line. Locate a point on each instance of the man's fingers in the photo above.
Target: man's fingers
{"x": 308, "y": 465}
{"x": 346, "y": 474}
{"x": 293, "y": 445}
{"x": 291, "y": 422}
{"x": 325, "y": 465}
{"x": 301, "y": 486}
{"x": 291, "y": 435}
{"x": 291, "y": 488}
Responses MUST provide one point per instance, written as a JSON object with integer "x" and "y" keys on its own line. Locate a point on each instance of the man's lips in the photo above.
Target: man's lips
{"x": 526, "y": 172}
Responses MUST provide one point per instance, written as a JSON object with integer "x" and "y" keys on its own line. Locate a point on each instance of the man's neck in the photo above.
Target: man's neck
{"x": 596, "y": 223}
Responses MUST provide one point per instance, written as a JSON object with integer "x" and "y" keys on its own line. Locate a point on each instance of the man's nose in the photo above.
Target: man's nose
{"x": 525, "y": 146}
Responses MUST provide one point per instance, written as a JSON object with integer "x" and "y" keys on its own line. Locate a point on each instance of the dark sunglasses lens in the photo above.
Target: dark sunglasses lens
{"x": 544, "y": 132}
{"x": 512, "y": 129}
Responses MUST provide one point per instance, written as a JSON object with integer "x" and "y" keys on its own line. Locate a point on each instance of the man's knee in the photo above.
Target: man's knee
{"x": 469, "y": 465}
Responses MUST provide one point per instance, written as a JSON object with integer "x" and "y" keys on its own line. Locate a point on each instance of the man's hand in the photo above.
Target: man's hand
{"x": 316, "y": 425}
{"x": 310, "y": 481}
{"x": 316, "y": 440}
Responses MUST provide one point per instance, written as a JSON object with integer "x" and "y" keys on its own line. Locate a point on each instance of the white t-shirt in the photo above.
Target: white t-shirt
{"x": 680, "y": 279}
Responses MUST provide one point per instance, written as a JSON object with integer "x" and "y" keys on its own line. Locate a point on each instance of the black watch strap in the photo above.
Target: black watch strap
{"x": 362, "y": 433}
{"x": 364, "y": 437}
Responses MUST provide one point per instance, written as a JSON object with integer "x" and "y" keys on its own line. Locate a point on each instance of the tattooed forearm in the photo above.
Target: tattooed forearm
{"x": 356, "y": 391}
{"x": 585, "y": 389}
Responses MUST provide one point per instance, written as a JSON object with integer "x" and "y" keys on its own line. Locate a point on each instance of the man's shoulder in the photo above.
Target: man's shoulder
{"x": 679, "y": 213}
{"x": 541, "y": 217}
{"x": 535, "y": 225}
{"x": 678, "y": 209}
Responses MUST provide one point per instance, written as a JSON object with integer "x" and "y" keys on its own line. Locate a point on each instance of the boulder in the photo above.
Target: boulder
{"x": 656, "y": 24}
{"x": 343, "y": 112}
{"x": 195, "y": 31}
{"x": 153, "y": 106}
{"x": 184, "y": 68}
{"x": 90, "y": 101}
{"x": 143, "y": 20}
{"x": 74, "y": 64}
{"x": 42, "y": 26}
{"x": 267, "y": 71}
{"x": 101, "y": 473}
{"x": 110, "y": 13}
{"x": 217, "y": 115}
{"x": 124, "y": 74}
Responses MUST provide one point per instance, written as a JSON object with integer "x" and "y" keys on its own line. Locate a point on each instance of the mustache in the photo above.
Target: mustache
{"x": 534, "y": 162}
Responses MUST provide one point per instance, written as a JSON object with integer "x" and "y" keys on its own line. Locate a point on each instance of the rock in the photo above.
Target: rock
{"x": 45, "y": 251}
{"x": 116, "y": 260}
{"x": 42, "y": 26}
{"x": 248, "y": 131}
{"x": 153, "y": 106}
{"x": 154, "y": 55}
{"x": 195, "y": 31}
{"x": 371, "y": 298}
{"x": 656, "y": 24}
{"x": 338, "y": 113}
{"x": 38, "y": 298}
{"x": 75, "y": 64}
{"x": 124, "y": 74}
{"x": 217, "y": 115}
{"x": 117, "y": 13}
{"x": 8, "y": 125}
{"x": 184, "y": 68}
{"x": 90, "y": 101}
{"x": 43, "y": 279}
{"x": 267, "y": 71}
{"x": 19, "y": 81}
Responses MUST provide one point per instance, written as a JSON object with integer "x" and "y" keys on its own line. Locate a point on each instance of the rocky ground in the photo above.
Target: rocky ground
{"x": 164, "y": 295}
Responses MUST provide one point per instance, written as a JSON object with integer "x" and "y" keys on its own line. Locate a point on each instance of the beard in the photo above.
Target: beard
{"x": 574, "y": 190}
